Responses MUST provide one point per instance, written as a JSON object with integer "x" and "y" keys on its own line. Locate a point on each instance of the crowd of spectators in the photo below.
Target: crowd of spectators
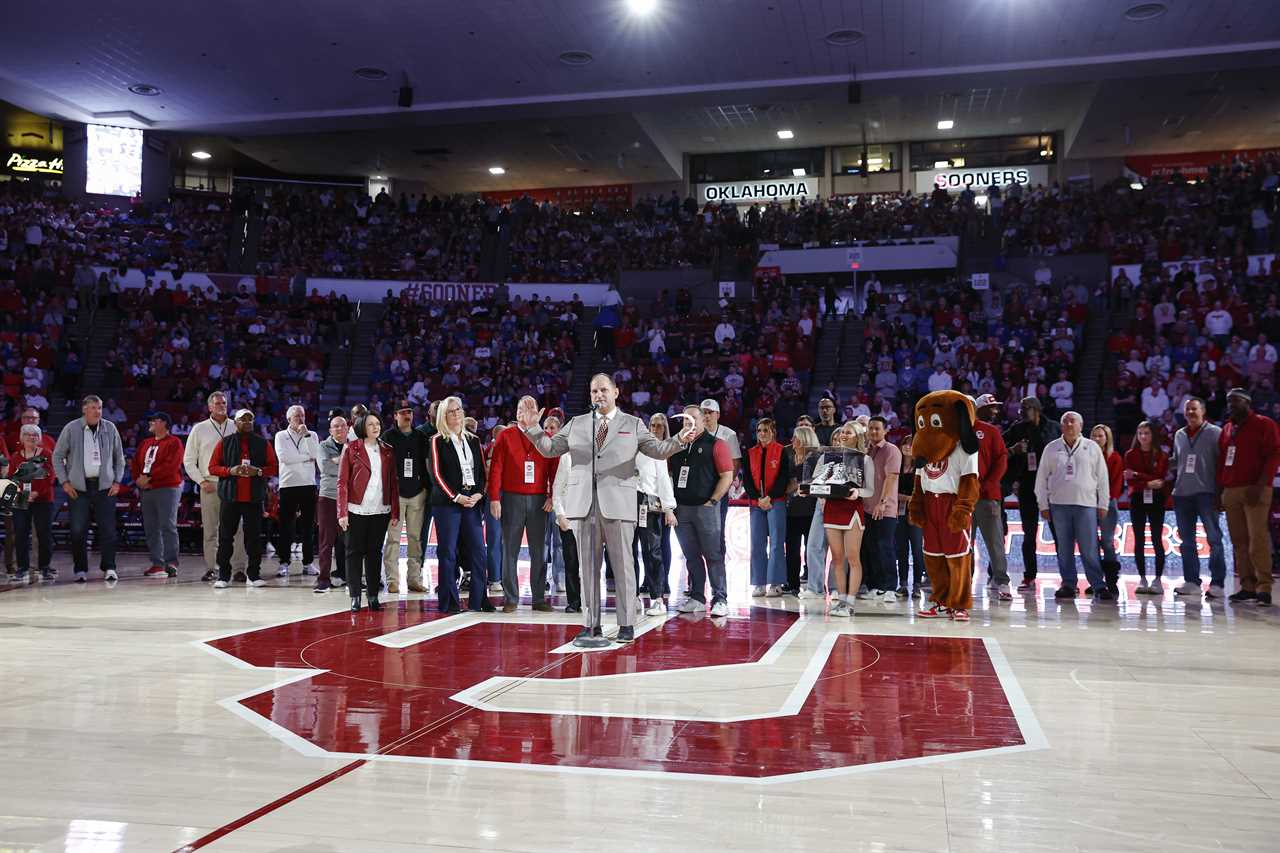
{"x": 177, "y": 345}
{"x": 1195, "y": 331}
{"x": 489, "y": 352}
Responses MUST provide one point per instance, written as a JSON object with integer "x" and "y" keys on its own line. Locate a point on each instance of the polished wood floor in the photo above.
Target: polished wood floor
{"x": 160, "y": 714}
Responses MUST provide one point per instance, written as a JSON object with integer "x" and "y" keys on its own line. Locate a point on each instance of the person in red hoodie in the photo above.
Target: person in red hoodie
{"x": 519, "y": 487}
{"x": 38, "y": 511}
{"x": 988, "y": 513}
{"x": 157, "y": 472}
{"x": 1248, "y": 455}
{"x": 1105, "y": 439}
{"x": 1145, "y": 469}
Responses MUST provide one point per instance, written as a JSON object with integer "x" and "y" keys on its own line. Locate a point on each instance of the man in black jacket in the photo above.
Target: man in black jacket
{"x": 1026, "y": 440}
{"x": 242, "y": 463}
{"x": 410, "y": 446}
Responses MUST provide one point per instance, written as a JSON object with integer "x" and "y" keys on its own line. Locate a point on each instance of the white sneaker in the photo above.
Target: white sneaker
{"x": 657, "y": 607}
{"x": 111, "y": 575}
{"x": 690, "y": 605}
{"x": 221, "y": 584}
{"x": 719, "y": 609}
{"x": 757, "y": 592}
{"x": 840, "y": 609}
{"x": 310, "y": 569}
{"x": 337, "y": 582}
{"x": 869, "y": 595}
{"x": 1188, "y": 588}
{"x": 259, "y": 582}
{"x": 888, "y": 596}
{"x": 283, "y": 571}
{"x": 773, "y": 591}
{"x": 1216, "y": 591}
{"x": 805, "y": 592}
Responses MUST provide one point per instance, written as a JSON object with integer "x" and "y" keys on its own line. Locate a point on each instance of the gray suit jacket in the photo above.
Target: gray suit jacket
{"x": 68, "y": 455}
{"x": 616, "y": 474}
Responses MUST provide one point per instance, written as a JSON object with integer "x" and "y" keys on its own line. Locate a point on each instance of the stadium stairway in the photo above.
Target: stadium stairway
{"x": 347, "y": 380}
{"x": 81, "y": 331}
{"x": 852, "y": 356}
{"x": 585, "y": 366}
{"x": 1092, "y": 394}
{"x": 99, "y": 329}
{"x": 1110, "y": 320}
{"x": 826, "y": 358}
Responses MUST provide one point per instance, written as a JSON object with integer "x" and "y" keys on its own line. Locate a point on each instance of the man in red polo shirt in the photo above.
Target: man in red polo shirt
{"x": 1248, "y": 456}
{"x": 157, "y": 472}
{"x": 988, "y": 513}
{"x": 519, "y": 487}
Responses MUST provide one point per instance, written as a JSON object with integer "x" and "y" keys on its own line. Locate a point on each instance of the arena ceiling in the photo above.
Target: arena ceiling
{"x": 581, "y": 91}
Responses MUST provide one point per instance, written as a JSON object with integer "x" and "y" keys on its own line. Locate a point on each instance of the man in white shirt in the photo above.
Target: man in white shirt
{"x": 1062, "y": 391}
{"x": 1155, "y": 402}
{"x": 711, "y": 422}
{"x": 1218, "y": 323}
{"x": 206, "y": 437}
{"x": 1073, "y": 489}
{"x": 298, "y": 452}
{"x": 1262, "y": 351}
{"x": 940, "y": 380}
{"x": 725, "y": 332}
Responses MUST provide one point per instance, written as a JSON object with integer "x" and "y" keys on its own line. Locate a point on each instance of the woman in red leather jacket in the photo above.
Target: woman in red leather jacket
{"x": 368, "y": 502}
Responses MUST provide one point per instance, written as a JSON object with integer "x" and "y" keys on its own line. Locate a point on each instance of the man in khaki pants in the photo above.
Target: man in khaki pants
{"x": 1248, "y": 455}
{"x": 410, "y": 446}
{"x": 206, "y": 437}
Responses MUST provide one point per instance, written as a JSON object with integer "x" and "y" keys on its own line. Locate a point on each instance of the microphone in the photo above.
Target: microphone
{"x": 595, "y": 407}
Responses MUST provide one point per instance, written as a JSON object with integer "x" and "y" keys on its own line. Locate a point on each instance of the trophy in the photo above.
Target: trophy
{"x": 833, "y": 472}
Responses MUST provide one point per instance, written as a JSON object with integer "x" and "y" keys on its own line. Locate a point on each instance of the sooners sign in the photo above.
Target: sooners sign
{"x": 408, "y": 684}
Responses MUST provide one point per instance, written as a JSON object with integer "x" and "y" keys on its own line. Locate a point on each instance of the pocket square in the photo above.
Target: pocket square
{"x": 624, "y": 432}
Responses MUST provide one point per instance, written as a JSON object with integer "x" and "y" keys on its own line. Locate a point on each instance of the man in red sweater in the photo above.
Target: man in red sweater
{"x": 157, "y": 472}
{"x": 988, "y": 513}
{"x": 519, "y": 487}
{"x": 1248, "y": 456}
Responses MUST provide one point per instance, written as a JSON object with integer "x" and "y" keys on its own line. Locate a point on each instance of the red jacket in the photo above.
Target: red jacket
{"x": 510, "y": 452}
{"x": 1142, "y": 468}
{"x": 1115, "y": 472}
{"x": 166, "y": 468}
{"x": 41, "y": 489}
{"x": 353, "y": 477}
{"x": 769, "y": 476}
{"x": 1254, "y": 450}
{"x": 993, "y": 460}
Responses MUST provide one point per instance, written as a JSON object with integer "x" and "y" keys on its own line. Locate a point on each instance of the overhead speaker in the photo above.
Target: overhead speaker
{"x": 855, "y": 93}
{"x": 406, "y": 96}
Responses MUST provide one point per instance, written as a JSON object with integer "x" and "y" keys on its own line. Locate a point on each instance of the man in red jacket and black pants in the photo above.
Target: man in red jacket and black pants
{"x": 1248, "y": 455}
{"x": 988, "y": 513}
{"x": 242, "y": 464}
{"x": 519, "y": 488}
{"x": 157, "y": 472}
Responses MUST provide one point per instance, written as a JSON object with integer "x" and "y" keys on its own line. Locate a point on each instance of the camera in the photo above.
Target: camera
{"x": 12, "y": 494}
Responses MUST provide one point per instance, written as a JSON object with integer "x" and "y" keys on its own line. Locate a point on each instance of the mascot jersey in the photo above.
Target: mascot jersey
{"x": 940, "y": 484}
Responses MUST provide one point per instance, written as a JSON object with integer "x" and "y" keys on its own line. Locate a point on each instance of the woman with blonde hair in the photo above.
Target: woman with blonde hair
{"x": 843, "y": 520}
{"x": 458, "y": 476}
{"x": 799, "y": 509}
{"x": 1102, "y": 436}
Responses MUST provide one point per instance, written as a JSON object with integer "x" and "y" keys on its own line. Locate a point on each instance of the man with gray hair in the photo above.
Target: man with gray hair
{"x": 298, "y": 452}
{"x": 205, "y": 439}
{"x": 1073, "y": 488}
{"x": 89, "y": 462}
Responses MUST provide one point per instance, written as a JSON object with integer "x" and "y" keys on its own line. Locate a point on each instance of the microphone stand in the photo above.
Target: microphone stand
{"x": 593, "y": 542}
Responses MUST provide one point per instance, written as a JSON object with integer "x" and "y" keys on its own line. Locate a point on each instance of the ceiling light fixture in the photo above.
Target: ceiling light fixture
{"x": 145, "y": 89}
{"x": 576, "y": 57}
{"x": 942, "y": 164}
{"x": 369, "y": 73}
{"x": 946, "y": 124}
{"x": 642, "y": 8}
{"x": 1145, "y": 11}
{"x": 844, "y": 38}
{"x": 799, "y": 173}
{"x": 201, "y": 155}
{"x": 379, "y": 177}
{"x": 786, "y": 134}
{"x": 497, "y": 170}
{"x": 1136, "y": 185}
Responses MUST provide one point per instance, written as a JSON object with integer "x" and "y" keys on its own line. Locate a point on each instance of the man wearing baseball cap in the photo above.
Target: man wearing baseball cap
{"x": 711, "y": 420}
{"x": 410, "y": 446}
{"x": 242, "y": 463}
{"x": 157, "y": 472}
{"x": 1026, "y": 441}
{"x": 988, "y": 513}
{"x": 1248, "y": 456}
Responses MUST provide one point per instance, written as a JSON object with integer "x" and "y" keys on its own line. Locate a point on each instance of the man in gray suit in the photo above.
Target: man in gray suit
{"x": 609, "y": 514}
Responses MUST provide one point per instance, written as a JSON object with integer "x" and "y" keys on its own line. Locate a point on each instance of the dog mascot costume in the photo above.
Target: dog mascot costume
{"x": 945, "y": 447}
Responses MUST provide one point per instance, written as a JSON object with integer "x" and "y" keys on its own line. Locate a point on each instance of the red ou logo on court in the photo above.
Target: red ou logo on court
{"x": 761, "y": 696}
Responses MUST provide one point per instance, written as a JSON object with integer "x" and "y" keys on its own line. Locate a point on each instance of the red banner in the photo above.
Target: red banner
{"x": 613, "y": 194}
{"x": 1192, "y": 164}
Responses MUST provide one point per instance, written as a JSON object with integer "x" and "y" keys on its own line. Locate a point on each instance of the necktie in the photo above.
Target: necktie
{"x": 602, "y": 433}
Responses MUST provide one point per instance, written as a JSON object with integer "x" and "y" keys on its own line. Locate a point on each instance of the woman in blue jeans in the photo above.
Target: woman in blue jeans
{"x": 766, "y": 476}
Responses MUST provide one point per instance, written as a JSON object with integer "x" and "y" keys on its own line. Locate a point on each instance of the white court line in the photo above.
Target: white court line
{"x": 1032, "y": 734}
